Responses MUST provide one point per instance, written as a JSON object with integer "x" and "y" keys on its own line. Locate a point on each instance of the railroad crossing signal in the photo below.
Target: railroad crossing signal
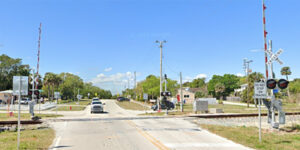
{"x": 271, "y": 84}
{"x": 165, "y": 94}
{"x": 274, "y": 57}
{"x": 282, "y": 84}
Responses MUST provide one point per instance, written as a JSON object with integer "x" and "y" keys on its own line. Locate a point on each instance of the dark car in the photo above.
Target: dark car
{"x": 123, "y": 99}
{"x": 169, "y": 105}
{"x": 118, "y": 98}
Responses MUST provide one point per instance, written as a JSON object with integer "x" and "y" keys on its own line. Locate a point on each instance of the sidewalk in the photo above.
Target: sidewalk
{"x": 45, "y": 106}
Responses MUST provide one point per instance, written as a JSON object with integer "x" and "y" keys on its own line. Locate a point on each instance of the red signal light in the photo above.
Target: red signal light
{"x": 271, "y": 84}
{"x": 283, "y": 84}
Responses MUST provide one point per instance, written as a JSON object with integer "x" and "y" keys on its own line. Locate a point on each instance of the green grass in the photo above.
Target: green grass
{"x": 29, "y": 139}
{"x": 67, "y": 108}
{"x": 287, "y": 139}
{"x": 131, "y": 105}
{"x": 25, "y": 116}
{"x": 291, "y": 107}
{"x": 83, "y": 102}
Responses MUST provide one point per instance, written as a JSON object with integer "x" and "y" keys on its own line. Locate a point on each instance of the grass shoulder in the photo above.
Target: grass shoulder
{"x": 131, "y": 105}
{"x": 69, "y": 108}
{"x": 83, "y": 102}
{"x": 30, "y": 139}
{"x": 287, "y": 138}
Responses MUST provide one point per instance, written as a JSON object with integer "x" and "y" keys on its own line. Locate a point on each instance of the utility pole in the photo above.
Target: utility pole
{"x": 128, "y": 83}
{"x": 135, "y": 85}
{"x": 271, "y": 65}
{"x": 246, "y": 66}
{"x": 181, "y": 96}
{"x": 166, "y": 90}
{"x": 78, "y": 96}
{"x": 161, "y": 46}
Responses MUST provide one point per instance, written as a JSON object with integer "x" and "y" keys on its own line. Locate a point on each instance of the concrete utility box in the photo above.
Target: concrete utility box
{"x": 215, "y": 110}
{"x": 201, "y": 106}
{"x": 211, "y": 101}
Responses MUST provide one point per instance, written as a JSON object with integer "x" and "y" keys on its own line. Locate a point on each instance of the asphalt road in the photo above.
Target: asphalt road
{"x": 120, "y": 129}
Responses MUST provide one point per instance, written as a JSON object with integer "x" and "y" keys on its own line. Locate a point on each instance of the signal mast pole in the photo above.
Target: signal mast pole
{"x": 39, "y": 47}
{"x": 265, "y": 39}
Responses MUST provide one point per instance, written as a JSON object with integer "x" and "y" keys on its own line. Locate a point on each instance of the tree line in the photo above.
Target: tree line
{"x": 219, "y": 86}
{"x": 66, "y": 83}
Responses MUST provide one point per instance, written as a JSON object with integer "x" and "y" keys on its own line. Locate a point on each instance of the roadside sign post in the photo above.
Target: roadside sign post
{"x": 79, "y": 98}
{"x": 56, "y": 95}
{"x": 20, "y": 87}
{"x": 260, "y": 92}
{"x": 145, "y": 97}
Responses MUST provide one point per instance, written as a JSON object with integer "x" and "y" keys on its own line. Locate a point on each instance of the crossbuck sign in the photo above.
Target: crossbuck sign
{"x": 274, "y": 57}
{"x": 260, "y": 90}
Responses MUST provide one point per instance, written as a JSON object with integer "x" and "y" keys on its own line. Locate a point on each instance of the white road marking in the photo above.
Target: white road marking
{"x": 57, "y": 142}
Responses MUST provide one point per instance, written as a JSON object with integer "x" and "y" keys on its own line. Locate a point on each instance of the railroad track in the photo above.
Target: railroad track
{"x": 24, "y": 122}
{"x": 235, "y": 115}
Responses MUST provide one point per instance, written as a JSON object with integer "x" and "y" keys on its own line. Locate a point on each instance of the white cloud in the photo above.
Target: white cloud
{"x": 114, "y": 82}
{"x": 239, "y": 74}
{"x": 256, "y": 50}
{"x": 187, "y": 79}
{"x": 190, "y": 79}
{"x": 201, "y": 75}
{"x": 108, "y": 69}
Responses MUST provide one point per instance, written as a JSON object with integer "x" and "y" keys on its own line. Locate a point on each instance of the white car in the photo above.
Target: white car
{"x": 95, "y": 100}
{"x": 97, "y": 106}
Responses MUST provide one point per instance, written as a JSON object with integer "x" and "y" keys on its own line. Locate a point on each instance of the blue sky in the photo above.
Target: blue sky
{"x": 104, "y": 41}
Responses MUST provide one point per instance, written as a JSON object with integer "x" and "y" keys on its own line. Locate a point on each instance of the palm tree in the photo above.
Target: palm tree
{"x": 253, "y": 77}
{"x": 219, "y": 89}
{"x": 286, "y": 71}
{"x": 49, "y": 81}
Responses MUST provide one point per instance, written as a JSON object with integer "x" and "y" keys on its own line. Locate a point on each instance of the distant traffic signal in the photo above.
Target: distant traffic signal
{"x": 165, "y": 94}
{"x": 283, "y": 84}
{"x": 36, "y": 92}
{"x": 271, "y": 84}
{"x": 29, "y": 92}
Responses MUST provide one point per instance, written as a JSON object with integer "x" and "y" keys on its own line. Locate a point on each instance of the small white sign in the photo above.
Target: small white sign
{"x": 56, "y": 95}
{"x": 79, "y": 96}
{"x": 24, "y": 85}
{"x": 152, "y": 100}
{"x": 260, "y": 90}
{"x": 145, "y": 96}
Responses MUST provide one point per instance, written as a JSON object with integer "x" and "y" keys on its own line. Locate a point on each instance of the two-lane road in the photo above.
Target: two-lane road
{"x": 119, "y": 129}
